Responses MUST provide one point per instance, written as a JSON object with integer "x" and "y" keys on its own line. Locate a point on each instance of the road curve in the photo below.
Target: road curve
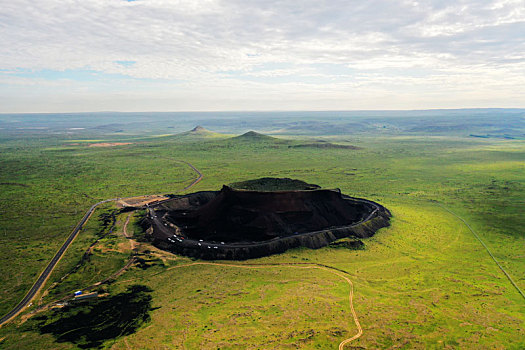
{"x": 197, "y": 180}
{"x": 333, "y": 270}
{"x": 58, "y": 255}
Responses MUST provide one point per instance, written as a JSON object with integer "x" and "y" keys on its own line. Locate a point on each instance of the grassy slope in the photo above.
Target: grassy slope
{"x": 423, "y": 282}
{"x": 55, "y": 188}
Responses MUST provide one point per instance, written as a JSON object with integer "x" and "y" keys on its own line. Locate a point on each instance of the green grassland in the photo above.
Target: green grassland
{"x": 46, "y": 192}
{"x": 423, "y": 282}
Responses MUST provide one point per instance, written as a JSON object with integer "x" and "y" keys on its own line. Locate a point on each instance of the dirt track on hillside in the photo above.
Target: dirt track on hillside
{"x": 42, "y": 278}
{"x": 335, "y": 271}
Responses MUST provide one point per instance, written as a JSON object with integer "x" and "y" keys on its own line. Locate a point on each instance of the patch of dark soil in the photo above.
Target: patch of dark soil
{"x": 145, "y": 264}
{"x": 127, "y": 209}
{"x": 89, "y": 324}
{"x": 140, "y": 228}
{"x": 107, "y": 222}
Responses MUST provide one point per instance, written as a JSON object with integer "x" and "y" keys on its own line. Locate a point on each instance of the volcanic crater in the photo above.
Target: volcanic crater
{"x": 238, "y": 223}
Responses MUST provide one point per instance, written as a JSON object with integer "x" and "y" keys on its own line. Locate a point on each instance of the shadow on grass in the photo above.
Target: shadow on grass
{"x": 90, "y": 324}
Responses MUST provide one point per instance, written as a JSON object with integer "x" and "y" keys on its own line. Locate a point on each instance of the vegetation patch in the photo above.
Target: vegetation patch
{"x": 424, "y": 282}
{"x": 99, "y": 259}
{"x": 324, "y": 145}
{"x": 89, "y": 324}
{"x": 109, "y": 144}
{"x": 146, "y": 263}
{"x": 197, "y": 134}
{"x": 107, "y": 222}
{"x": 273, "y": 184}
{"x": 13, "y": 184}
{"x": 251, "y": 136}
{"x": 351, "y": 243}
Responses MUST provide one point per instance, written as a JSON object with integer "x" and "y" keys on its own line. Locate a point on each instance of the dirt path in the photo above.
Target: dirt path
{"x": 132, "y": 242}
{"x": 486, "y": 248}
{"x": 130, "y": 261}
{"x": 332, "y": 270}
{"x": 42, "y": 278}
{"x": 299, "y": 266}
{"x": 126, "y": 234}
{"x": 197, "y": 180}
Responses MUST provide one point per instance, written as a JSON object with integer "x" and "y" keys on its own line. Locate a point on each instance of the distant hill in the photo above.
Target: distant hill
{"x": 252, "y": 136}
{"x": 199, "y": 132}
{"x": 255, "y": 137}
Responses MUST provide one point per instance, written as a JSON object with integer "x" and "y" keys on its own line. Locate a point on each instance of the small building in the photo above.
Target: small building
{"x": 86, "y": 296}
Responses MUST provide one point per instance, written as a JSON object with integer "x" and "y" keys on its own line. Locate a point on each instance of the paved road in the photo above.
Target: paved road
{"x": 45, "y": 274}
{"x": 58, "y": 255}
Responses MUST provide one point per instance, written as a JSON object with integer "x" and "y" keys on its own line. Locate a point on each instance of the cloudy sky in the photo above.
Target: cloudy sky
{"x": 169, "y": 55}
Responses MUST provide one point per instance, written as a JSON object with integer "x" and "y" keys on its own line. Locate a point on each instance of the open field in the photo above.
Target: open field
{"x": 424, "y": 282}
{"x": 46, "y": 192}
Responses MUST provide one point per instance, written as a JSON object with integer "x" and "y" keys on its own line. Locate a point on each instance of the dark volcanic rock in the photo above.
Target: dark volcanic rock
{"x": 240, "y": 224}
{"x": 237, "y": 216}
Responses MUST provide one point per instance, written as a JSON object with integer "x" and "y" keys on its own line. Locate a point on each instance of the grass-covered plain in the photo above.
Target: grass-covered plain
{"x": 424, "y": 282}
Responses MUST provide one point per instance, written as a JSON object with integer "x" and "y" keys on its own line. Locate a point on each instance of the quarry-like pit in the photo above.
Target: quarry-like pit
{"x": 241, "y": 224}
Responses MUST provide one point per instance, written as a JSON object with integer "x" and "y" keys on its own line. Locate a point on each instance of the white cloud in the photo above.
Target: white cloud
{"x": 182, "y": 49}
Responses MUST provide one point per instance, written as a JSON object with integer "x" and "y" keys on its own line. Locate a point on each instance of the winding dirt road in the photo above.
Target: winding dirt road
{"x": 41, "y": 280}
{"x": 126, "y": 234}
{"x": 332, "y": 270}
{"x": 52, "y": 264}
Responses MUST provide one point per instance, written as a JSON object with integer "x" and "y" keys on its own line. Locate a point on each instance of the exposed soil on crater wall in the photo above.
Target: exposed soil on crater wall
{"x": 248, "y": 216}
{"x": 244, "y": 224}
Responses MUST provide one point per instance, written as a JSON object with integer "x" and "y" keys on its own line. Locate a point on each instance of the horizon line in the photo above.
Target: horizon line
{"x": 280, "y": 110}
